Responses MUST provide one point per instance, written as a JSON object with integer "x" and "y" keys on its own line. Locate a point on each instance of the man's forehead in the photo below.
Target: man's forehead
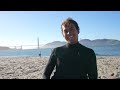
{"x": 68, "y": 25}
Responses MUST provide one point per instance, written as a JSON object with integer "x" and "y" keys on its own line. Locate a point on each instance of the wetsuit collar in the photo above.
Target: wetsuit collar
{"x": 72, "y": 45}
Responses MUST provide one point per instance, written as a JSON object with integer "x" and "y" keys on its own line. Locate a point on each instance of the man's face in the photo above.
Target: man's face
{"x": 70, "y": 33}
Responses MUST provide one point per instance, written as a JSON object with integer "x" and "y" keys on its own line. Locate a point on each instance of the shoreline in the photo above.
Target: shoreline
{"x": 33, "y": 67}
{"x": 49, "y": 55}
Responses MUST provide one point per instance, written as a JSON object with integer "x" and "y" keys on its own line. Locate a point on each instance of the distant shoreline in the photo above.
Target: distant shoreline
{"x": 49, "y": 56}
{"x": 23, "y": 56}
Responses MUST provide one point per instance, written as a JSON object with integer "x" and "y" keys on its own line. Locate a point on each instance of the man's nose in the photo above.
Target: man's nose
{"x": 68, "y": 32}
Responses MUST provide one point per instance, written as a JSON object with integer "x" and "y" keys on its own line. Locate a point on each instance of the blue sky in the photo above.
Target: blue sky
{"x": 23, "y": 27}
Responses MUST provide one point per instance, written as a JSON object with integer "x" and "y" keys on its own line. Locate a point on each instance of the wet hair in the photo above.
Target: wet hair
{"x": 69, "y": 21}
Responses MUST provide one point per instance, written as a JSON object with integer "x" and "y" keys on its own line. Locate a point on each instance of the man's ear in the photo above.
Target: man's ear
{"x": 62, "y": 34}
{"x": 78, "y": 31}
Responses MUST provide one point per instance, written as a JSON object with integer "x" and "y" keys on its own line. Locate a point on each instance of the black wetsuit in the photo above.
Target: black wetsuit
{"x": 72, "y": 62}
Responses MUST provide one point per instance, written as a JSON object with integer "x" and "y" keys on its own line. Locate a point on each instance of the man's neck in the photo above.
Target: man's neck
{"x": 73, "y": 43}
{"x": 69, "y": 45}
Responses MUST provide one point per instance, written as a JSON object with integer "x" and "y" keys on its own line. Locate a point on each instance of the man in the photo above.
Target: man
{"x": 73, "y": 60}
{"x": 40, "y": 54}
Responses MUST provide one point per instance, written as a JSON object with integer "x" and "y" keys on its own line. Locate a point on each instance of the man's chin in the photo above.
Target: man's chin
{"x": 71, "y": 42}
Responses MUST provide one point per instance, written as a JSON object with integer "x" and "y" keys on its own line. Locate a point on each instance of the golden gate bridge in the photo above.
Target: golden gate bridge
{"x": 37, "y": 46}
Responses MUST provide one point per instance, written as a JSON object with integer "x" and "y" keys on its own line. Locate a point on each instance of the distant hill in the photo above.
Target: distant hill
{"x": 4, "y": 48}
{"x": 54, "y": 44}
{"x": 99, "y": 42}
{"x": 86, "y": 42}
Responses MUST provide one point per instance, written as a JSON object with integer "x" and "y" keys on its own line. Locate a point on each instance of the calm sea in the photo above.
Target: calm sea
{"x": 99, "y": 50}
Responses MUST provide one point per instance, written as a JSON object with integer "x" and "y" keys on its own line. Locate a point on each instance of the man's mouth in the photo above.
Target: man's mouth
{"x": 71, "y": 37}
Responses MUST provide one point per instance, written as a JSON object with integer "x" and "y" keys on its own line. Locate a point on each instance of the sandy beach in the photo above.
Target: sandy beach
{"x": 33, "y": 67}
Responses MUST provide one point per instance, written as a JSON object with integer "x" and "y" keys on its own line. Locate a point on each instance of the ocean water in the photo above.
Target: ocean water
{"x": 107, "y": 50}
{"x": 25, "y": 52}
{"x": 99, "y": 50}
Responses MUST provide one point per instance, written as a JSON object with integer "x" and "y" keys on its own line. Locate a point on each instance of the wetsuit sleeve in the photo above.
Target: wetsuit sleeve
{"x": 50, "y": 65}
{"x": 92, "y": 69}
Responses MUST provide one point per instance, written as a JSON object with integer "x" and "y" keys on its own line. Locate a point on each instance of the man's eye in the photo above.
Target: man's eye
{"x": 66, "y": 31}
{"x": 72, "y": 29}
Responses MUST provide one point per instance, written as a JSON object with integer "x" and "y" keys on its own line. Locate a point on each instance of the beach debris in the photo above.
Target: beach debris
{"x": 117, "y": 68}
{"x": 118, "y": 75}
{"x": 99, "y": 77}
{"x": 112, "y": 74}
